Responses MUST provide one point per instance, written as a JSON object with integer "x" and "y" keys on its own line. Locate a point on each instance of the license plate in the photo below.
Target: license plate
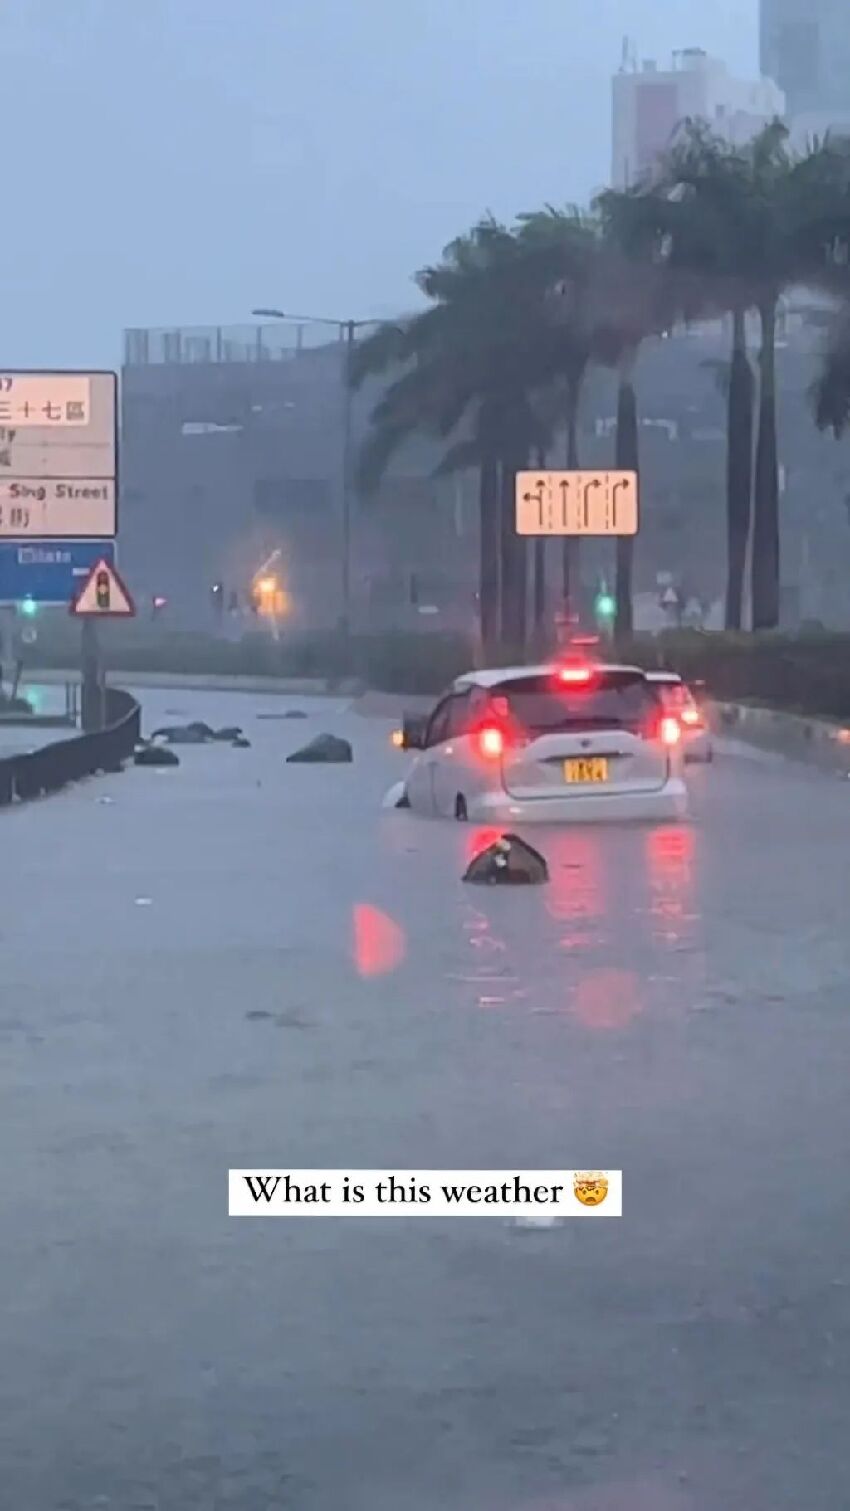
{"x": 586, "y": 769}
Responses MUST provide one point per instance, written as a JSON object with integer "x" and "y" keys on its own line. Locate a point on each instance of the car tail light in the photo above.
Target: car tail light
{"x": 491, "y": 742}
{"x": 397, "y": 738}
{"x": 574, "y": 676}
{"x": 691, "y": 716}
{"x": 669, "y": 731}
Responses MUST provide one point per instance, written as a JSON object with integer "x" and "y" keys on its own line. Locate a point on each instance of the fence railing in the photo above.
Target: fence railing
{"x": 53, "y": 766}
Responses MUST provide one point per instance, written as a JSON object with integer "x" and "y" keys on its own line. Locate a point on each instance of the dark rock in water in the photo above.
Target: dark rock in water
{"x": 229, "y": 733}
{"x": 155, "y": 755}
{"x": 508, "y": 862}
{"x": 404, "y": 801}
{"x": 240, "y": 743}
{"x": 324, "y": 748}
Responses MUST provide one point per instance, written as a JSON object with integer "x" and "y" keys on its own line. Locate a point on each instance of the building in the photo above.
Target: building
{"x": 232, "y": 454}
{"x": 805, "y": 46}
{"x": 649, "y": 103}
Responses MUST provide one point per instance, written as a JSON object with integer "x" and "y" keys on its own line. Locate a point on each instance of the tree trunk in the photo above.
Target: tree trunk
{"x": 570, "y": 559}
{"x": 765, "y": 557}
{"x": 627, "y": 460}
{"x": 514, "y": 583}
{"x": 538, "y": 608}
{"x": 488, "y": 524}
{"x": 739, "y": 470}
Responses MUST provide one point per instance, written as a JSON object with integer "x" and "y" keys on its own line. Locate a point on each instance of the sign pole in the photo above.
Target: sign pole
{"x": 91, "y": 704}
{"x": 8, "y": 620}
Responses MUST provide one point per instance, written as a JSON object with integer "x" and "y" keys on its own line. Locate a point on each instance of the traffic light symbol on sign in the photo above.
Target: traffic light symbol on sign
{"x": 103, "y": 591}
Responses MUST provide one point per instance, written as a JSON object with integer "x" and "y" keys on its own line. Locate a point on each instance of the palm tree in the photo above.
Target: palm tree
{"x": 635, "y": 297}
{"x": 830, "y": 392}
{"x": 744, "y": 224}
{"x": 706, "y": 193}
{"x": 571, "y": 238}
{"x": 464, "y": 371}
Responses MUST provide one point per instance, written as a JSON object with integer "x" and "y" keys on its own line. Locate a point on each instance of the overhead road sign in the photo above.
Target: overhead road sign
{"x": 103, "y": 595}
{"x": 48, "y": 571}
{"x": 58, "y": 455}
{"x": 576, "y": 503}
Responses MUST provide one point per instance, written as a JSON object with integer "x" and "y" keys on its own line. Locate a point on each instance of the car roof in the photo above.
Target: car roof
{"x": 497, "y": 676}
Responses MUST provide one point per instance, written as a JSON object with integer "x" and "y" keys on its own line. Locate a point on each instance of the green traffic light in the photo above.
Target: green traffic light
{"x": 606, "y": 606}
{"x": 29, "y": 607}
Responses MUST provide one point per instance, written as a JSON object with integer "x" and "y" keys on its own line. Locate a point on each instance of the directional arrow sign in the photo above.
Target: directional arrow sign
{"x": 103, "y": 595}
{"x": 576, "y": 503}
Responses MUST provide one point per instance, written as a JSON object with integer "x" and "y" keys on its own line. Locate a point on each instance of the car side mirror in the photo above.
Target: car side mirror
{"x": 413, "y": 732}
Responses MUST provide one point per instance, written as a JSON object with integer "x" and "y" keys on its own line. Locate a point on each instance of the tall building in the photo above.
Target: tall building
{"x": 649, "y": 103}
{"x": 805, "y": 46}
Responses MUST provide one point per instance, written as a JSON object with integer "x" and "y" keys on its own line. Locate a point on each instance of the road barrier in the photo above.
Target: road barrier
{"x": 53, "y": 766}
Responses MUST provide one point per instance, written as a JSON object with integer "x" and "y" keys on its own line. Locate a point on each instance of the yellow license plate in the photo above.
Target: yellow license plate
{"x": 586, "y": 769}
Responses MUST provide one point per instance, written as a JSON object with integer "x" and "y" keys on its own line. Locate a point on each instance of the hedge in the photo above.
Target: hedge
{"x": 809, "y": 673}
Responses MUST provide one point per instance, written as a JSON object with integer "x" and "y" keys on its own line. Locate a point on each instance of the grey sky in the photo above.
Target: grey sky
{"x": 177, "y": 161}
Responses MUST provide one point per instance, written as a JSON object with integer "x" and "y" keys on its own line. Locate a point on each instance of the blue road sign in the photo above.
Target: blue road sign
{"x": 48, "y": 571}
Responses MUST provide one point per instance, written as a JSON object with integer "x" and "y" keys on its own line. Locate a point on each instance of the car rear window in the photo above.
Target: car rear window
{"x": 612, "y": 700}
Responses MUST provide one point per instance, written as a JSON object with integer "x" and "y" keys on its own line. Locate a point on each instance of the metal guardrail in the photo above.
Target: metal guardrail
{"x": 40, "y": 771}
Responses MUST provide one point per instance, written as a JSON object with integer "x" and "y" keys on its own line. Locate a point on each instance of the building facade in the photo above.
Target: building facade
{"x": 233, "y": 454}
{"x": 649, "y": 103}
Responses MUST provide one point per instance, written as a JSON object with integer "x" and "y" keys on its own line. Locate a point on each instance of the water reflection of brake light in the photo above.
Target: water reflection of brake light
{"x": 669, "y": 731}
{"x": 491, "y": 742}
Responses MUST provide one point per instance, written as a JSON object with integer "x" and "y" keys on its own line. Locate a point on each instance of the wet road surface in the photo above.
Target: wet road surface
{"x": 241, "y": 963}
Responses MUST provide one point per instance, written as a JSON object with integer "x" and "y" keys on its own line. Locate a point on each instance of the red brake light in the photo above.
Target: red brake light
{"x": 669, "y": 730}
{"x": 491, "y": 742}
{"x": 574, "y": 676}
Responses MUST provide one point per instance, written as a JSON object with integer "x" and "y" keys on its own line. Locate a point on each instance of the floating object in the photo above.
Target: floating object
{"x": 508, "y": 861}
{"x": 155, "y": 755}
{"x": 327, "y": 748}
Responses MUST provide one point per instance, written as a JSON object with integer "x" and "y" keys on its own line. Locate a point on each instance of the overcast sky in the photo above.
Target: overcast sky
{"x": 179, "y": 161}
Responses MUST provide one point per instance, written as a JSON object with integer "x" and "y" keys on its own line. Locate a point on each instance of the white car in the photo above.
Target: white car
{"x": 682, "y": 704}
{"x": 571, "y": 741}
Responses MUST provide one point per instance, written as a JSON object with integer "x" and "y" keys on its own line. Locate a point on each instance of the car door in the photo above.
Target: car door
{"x": 420, "y": 781}
{"x": 448, "y": 767}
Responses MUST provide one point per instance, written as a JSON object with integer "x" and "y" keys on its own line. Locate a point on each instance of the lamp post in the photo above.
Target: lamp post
{"x": 347, "y": 330}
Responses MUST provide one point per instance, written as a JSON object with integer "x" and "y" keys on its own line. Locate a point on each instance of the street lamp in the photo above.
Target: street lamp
{"x": 347, "y": 331}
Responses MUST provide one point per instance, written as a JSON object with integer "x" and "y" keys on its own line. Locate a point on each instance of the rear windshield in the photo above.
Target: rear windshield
{"x": 612, "y": 700}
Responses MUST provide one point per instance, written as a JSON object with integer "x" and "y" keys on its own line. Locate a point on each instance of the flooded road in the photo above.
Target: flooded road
{"x": 242, "y": 963}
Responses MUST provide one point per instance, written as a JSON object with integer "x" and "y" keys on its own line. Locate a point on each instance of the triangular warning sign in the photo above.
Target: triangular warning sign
{"x": 103, "y": 595}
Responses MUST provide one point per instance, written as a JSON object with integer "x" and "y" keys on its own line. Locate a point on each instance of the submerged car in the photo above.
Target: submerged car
{"x": 684, "y": 705}
{"x": 570, "y": 741}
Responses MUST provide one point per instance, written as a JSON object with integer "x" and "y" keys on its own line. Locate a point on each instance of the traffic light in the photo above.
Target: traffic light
{"x": 604, "y": 607}
{"x": 218, "y": 598}
{"x": 28, "y": 607}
